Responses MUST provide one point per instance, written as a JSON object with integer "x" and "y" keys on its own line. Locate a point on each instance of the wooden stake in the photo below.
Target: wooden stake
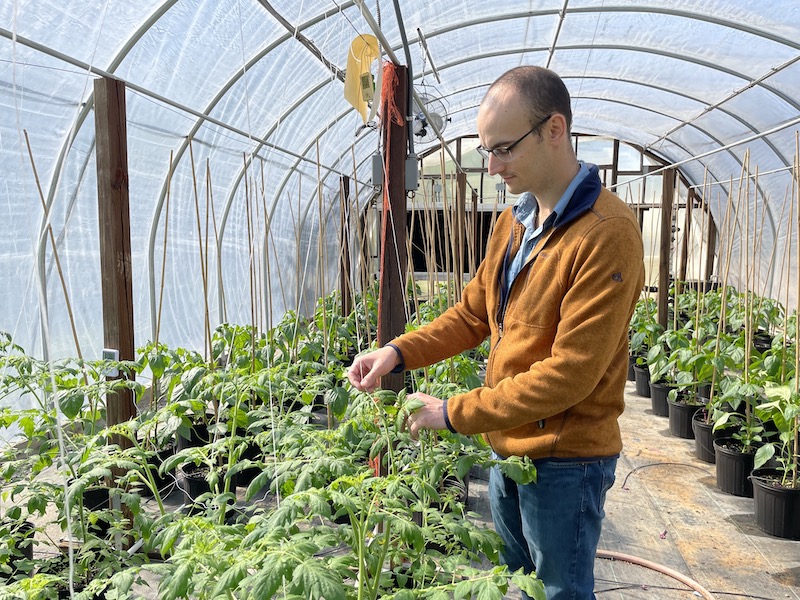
{"x": 206, "y": 320}
{"x": 55, "y": 252}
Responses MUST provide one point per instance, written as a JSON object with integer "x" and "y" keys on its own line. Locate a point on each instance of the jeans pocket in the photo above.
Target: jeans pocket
{"x": 608, "y": 473}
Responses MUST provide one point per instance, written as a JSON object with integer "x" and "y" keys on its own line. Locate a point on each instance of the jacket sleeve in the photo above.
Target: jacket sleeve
{"x": 465, "y": 325}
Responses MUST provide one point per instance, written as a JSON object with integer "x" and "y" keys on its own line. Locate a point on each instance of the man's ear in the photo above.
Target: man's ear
{"x": 556, "y": 127}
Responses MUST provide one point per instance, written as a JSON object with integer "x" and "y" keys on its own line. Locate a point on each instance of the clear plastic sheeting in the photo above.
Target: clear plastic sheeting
{"x": 245, "y": 98}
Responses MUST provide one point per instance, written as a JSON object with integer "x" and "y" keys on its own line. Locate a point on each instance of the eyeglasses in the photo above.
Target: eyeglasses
{"x": 504, "y": 152}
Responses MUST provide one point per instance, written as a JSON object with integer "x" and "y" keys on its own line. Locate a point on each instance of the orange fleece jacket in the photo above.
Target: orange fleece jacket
{"x": 556, "y": 373}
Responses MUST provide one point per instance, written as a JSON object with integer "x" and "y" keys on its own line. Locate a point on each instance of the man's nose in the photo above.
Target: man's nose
{"x": 495, "y": 165}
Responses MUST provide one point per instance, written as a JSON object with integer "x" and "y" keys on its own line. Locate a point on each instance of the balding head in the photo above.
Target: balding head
{"x": 542, "y": 91}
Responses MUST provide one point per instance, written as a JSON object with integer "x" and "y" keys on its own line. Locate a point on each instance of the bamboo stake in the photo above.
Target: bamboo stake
{"x": 446, "y": 229}
{"x": 788, "y": 267}
{"x": 796, "y": 198}
{"x": 321, "y": 261}
{"x": 259, "y": 297}
{"x": 726, "y": 224}
{"x": 352, "y": 203}
{"x": 748, "y": 302}
{"x": 250, "y": 253}
{"x": 208, "y": 204}
{"x": 67, "y": 302}
{"x": 268, "y": 282}
{"x": 207, "y": 324}
{"x": 409, "y": 251}
{"x": 428, "y": 241}
{"x": 164, "y": 251}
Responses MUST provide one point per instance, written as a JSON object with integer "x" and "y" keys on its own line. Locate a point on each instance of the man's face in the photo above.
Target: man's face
{"x": 502, "y": 120}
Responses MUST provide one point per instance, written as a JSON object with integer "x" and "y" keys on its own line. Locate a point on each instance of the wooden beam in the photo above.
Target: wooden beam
{"x": 665, "y": 247}
{"x": 394, "y": 257}
{"x": 115, "y": 237}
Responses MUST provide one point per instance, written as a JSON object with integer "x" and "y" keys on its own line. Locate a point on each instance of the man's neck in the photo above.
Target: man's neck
{"x": 548, "y": 200}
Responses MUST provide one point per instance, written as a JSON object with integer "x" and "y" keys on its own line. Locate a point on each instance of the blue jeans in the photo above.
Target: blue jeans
{"x": 552, "y": 526}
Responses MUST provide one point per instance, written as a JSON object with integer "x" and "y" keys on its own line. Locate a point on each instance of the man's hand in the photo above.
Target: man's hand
{"x": 367, "y": 369}
{"x": 429, "y": 416}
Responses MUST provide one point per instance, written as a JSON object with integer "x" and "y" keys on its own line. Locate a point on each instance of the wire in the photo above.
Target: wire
{"x": 658, "y": 464}
{"x": 627, "y": 585}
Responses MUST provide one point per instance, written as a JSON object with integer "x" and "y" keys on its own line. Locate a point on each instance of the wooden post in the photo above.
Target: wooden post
{"x": 345, "y": 286}
{"x": 115, "y": 237}
{"x": 667, "y": 193}
{"x": 393, "y": 260}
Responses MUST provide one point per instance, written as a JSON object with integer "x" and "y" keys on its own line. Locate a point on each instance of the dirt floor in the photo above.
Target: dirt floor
{"x": 665, "y": 508}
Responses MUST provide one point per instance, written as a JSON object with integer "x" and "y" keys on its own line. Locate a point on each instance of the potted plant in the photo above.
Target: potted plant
{"x": 776, "y": 490}
{"x": 644, "y": 332}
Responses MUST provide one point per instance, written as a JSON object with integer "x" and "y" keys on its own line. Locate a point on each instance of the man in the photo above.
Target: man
{"x": 555, "y": 293}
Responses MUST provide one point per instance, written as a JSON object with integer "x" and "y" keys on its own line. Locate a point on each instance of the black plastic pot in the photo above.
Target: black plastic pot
{"x": 195, "y": 483}
{"x": 733, "y": 467}
{"x": 198, "y": 436}
{"x": 96, "y": 498}
{"x": 155, "y": 460}
{"x": 631, "y": 364}
{"x": 245, "y": 477}
{"x": 704, "y": 436}
{"x": 680, "y": 419}
{"x": 658, "y": 398}
{"x": 777, "y": 508}
{"x": 22, "y": 534}
{"x": 642, "y": 378}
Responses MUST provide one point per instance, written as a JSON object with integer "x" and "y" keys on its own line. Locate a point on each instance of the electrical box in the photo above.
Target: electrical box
{"x": 111, "y": 354}
{"x": 412, "y": 173}
{"x": 377, "y": 171}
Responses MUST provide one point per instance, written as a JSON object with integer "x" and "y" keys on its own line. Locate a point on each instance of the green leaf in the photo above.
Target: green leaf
{"x": 487, "y": 590}
{"x": 520, "y": 469}
{"x": 529, "y": 584}
{"x": 315, "y": 581}
{"x": 123, "y": 582}
{"x": 464, "y": 464}
{"x": 230, "y": 580}
{"x": 464, "y": 589}
{"x": 267, "y": 581}
{"x": 71, "y": 403}
{"x": 763, "y": 454}
{"x": 157, "y": 364}
{"x": 177, "y": 586}
{"x": 259, "y": 481}
{"x": 337, "y": 399}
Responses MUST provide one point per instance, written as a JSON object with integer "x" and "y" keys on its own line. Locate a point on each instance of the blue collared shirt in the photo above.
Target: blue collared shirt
{"x": 526, "y": 210}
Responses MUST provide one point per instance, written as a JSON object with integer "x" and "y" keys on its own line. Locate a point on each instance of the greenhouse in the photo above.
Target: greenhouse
{"x": 290, "y": 310}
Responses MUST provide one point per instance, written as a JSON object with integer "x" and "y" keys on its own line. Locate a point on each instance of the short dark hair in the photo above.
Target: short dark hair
{"x": 544, "y": 90}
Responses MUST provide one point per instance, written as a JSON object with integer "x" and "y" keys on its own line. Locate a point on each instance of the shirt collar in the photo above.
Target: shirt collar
{"x": 526, "y": 208}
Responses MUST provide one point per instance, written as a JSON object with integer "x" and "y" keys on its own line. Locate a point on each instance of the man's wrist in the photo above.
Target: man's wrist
{"x": 447, "y": 422}
{"x": 401, "y": 364}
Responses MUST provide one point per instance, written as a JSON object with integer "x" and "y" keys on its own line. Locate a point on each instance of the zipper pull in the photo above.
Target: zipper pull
{"x": 500, "y": 330}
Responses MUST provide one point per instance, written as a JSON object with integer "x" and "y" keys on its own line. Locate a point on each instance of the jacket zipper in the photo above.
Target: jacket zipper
{"x": 501, "y": 315}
